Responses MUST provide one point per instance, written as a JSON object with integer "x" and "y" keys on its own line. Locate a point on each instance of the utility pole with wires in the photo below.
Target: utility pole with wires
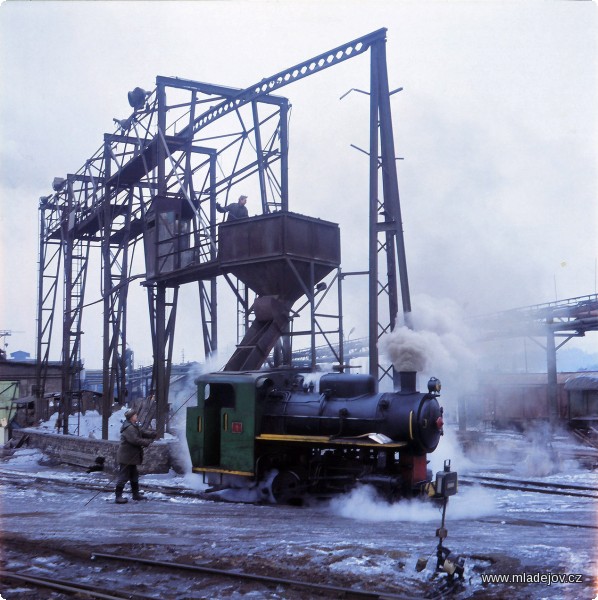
{"x": 4, "y": 333}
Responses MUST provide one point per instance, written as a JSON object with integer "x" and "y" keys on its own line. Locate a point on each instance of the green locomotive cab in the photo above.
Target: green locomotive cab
{"x": 221, "y": 429}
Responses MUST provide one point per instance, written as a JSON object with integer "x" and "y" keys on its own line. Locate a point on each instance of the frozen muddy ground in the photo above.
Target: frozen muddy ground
{"x": 354, "y": 540}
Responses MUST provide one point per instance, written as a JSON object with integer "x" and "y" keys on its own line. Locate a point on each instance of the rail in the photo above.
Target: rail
{"x": 352, "y": 592}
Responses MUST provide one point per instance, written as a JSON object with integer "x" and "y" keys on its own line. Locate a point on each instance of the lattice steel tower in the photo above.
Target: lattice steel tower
{"x": 157, "y": 179}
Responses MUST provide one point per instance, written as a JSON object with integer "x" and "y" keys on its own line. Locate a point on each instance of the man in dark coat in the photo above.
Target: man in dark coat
{"x": 235, "y": 211}
{"x": 130, "y": 454}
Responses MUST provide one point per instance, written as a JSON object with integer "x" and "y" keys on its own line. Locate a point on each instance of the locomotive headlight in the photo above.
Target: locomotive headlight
{"x": 434, "y": 385}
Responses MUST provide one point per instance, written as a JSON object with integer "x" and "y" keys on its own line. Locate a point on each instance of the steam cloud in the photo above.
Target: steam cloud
{"x": 407, "y": 349}
{"x": 441, "y": 342}
{"x": 364, "y": 504}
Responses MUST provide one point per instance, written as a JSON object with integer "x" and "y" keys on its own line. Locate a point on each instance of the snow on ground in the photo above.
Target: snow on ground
{"x": 358, "y": 533}
{"x": 90, "y": 424}
{"x": 26, "y": 459}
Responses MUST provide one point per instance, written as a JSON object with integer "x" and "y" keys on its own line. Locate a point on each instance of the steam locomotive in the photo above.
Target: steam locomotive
{"x": 315, "y": 438}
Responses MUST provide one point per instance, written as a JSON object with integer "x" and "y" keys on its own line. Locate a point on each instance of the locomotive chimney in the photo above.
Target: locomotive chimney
{"x": 408, "y": 381}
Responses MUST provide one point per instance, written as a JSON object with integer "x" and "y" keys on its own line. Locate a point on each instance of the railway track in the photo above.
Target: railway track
{"x": 232, "y": 571}
{"x": 69, "y": 587}
{"x": 106, "y": 485}
{"x": 535, "y": 522}
{"x": 194, "y": 576}
{"x": 522, "y": 485}
{"x": 88, "y": 591}
{"x": 314, "y": 587}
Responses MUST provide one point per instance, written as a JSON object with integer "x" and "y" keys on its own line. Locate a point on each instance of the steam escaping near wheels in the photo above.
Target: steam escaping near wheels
{"x": 277, "y": 487}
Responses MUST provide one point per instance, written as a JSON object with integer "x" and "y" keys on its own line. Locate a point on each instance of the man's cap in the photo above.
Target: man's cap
{"x": 130, "y": 412}
{"x": 242, "y": 196}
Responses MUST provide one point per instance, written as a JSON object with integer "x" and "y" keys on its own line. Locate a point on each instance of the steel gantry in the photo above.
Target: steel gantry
{"x": 157, "y": 178}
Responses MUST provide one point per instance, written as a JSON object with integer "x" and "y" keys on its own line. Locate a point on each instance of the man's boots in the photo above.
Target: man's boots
{"x": 119, "y": 495}
{"x": 137, "y": 495}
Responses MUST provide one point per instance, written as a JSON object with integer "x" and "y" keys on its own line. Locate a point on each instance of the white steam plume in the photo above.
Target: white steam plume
{"x": 186, "y": 396}
{"x": 440, "y": 343}
{"x": 364, "y": 504}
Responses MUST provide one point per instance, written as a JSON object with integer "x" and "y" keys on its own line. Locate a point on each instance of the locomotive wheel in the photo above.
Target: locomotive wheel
{"x": 287, "y": 488}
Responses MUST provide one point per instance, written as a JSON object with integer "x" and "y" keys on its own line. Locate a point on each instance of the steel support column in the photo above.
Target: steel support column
{"x": 50, "y": 258}
{"x": 163, "y": 317}
{"x": 373, "y": 225}
{"x": 208, "y": 290}
{"x": 385, "y": 217}
{"x": 259, "y": 158}
{"x": 551, "y": 371}
{"x": 76, "y": 255}
{"x": 392, "y": 204}
{"x": 115, "y": 264}
{"x": 284, "y": 155}
{"x": 163, "y": 330}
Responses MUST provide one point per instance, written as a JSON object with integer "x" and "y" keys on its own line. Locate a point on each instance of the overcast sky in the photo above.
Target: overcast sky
{"x": 496, "y": 125}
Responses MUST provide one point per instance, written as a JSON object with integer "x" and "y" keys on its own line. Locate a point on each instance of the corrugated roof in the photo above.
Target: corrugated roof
{"x": 584, "y": 382}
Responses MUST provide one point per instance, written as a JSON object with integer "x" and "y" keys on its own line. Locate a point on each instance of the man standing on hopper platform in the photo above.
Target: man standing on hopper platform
{"x": 130, "y": 454}
{"x": 235, "y": 211}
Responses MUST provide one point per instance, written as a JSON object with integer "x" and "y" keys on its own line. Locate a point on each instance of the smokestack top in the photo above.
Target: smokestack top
{"x": 408, "y": 381}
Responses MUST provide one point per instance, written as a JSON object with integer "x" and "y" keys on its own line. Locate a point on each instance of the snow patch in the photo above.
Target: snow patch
{"x": 26, "y": 457}
{"x": 89, "y": 424}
